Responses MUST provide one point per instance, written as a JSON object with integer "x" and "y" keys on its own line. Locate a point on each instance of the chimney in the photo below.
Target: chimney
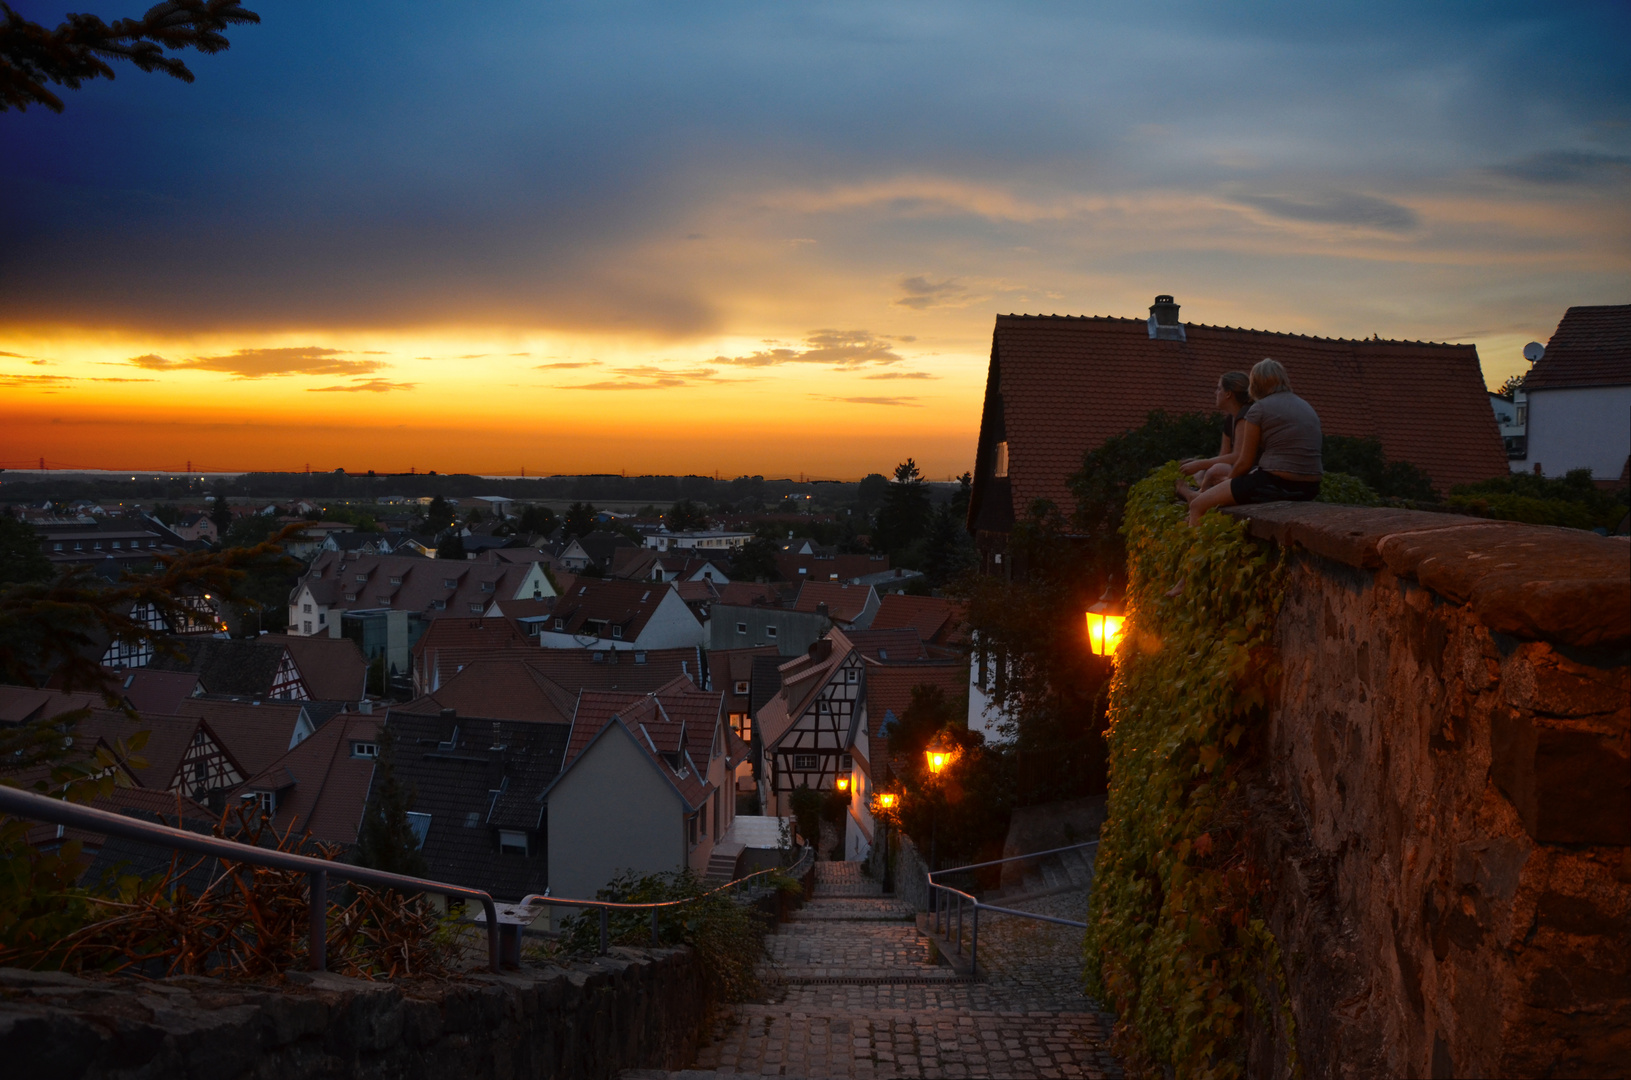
{"x": 823, "y": 611}
{"x": 1164, "y": 322}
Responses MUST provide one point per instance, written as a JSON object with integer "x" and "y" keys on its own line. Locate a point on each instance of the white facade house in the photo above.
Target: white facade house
{"x": 698, "y": 540}
{"x": 612, "y": 614}
{"x": 1579, "y": 397}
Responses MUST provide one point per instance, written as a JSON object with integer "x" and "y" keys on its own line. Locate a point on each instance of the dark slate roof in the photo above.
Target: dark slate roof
{"x": 1591, "y": 347}
{"x": 766, "y": 681}
{"x": 225, "y": 666}
{"x": 474, "y": 777}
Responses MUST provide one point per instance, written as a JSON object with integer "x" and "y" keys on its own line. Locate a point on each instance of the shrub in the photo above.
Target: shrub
{"x": 1573, "y": 501}
{"x": 1175, "y": 941}
{"x": 1338, "y": 487}
{"x": 728, "y": 939}
{"x": 1365, "y": 459}
{"x": 806, "y": 805}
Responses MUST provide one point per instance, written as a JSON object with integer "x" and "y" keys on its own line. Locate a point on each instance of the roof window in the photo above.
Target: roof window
{"x": 450, "y": 583}
{"x": 1000, "y": 469}
{"x": 419, "y": 824}
{"x": 741, "y": 628}
{"x": 512, "y": 841}
{"x": 368, "y": 750}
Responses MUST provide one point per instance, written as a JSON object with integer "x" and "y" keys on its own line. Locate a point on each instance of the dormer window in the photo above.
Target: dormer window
{"x": 450, "y": 583}
{"x": 367, "y": 750}
{"x": 560, "y": 624}
{"x": 741, "y": 686}
{"x": 488, "y": 586}
{"x": 475, "y": 608}
{"x": 617, "y": 631}
{"x": 396, "y": 579}
{"x": 362, "y": 577}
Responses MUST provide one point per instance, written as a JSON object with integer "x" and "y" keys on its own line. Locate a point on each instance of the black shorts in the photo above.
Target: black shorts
{"x": 1261, "y": 486}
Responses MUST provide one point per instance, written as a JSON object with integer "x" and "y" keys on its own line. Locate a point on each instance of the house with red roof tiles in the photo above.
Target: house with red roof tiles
{"x": 1580, "y": 397}
{"x": 851, "y": 607}
{"x": 646, "y": 787}
{"x": 332, "y": 669}
{"x": 321, "y": 785}
{"x": 610, "y": 614}
{"x": 889, "y": 690}
{"x": 1059, "y": 386}
{"x": 448, "y": 645}
{"x": 427, "y": 589}
{"x": 803, "y": 562}
{"x": 937, "y": 620}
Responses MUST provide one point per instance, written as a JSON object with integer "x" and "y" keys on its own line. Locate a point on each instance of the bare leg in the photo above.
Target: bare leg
{"x": 1214, "y": 476}
{"x": 1185, "y": 492}
{"x": 1219, "y": 495}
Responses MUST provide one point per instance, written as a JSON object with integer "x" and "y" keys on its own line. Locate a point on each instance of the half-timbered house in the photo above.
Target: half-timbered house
{"x": 814, "y": 731}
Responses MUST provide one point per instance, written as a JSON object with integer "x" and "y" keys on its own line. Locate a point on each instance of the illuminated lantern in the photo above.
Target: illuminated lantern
{"x": 1104, "y": 622}
{"x": 887, "y": 801}
{"x": 939, "y": 753}
{"x": 842, "y": 784}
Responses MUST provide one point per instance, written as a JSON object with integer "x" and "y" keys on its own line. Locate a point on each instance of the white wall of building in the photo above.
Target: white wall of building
{"x": 612, "y": 811}
{"x": 1579, "y": 427}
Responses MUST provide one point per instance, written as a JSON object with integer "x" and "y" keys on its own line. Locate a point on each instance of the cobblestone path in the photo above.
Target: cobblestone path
{"x": 856, "y": 992}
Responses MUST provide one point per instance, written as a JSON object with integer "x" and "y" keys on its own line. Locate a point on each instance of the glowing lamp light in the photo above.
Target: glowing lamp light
{"x": 842, "y": 783}
{"x": 939, "y": 753}
{"x": 1104, "y": 623}
{"x": 887, "y": 800}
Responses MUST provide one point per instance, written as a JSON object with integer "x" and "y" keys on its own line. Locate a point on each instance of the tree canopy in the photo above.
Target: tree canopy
{"x": 80, "y": 48}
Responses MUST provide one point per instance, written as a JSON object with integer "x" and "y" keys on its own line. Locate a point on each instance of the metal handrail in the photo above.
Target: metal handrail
{"x": 28, "y": 804}
{"x": 941, "y": 897}
{"x": 656, "y": 906}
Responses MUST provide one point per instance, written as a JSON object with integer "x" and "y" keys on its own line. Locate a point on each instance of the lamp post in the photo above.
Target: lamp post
{"x": 1104, "y": 623}
{"x": 884, "y": 803}
{"x": 937, "y": 755}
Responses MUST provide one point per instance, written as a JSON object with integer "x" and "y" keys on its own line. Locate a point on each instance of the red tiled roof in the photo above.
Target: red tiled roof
{"x": 449, "y": 644}
{"x": 628, "y": 604}
{"x": 1066, "y": 384}
{"x": 152, "y": 692}
{"x": 1591, "y": 347}
{"x": 502, "y": 687}
{"x": 934, "y": 618}
{"x": 19, "y": 704}
{"x": 844, "y": 602}
{"x": 889, "y": 688}
{"x": 254, "y": 735}
{"x": 330, "y": 787}
{"x": 749, "y": 594}
{"x": 889, "y": 646}
{"x": 630, "y": 671}
{"x": 410, "y": 583}
{"x": 795, "y": 567}
{"x": 332, "y": 668}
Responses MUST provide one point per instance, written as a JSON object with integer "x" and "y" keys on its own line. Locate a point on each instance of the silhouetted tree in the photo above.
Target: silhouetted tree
{"x": 79, "y": 49}
{"x": 438, "y": 515}
{"x": 869, "y": 492}
{"x": 539, "y": 519}
{"x": 21, "y": 557}
{"x": 685, "y": 515}
{"x": 755, "y": 560}
{"x": 451, "y": 547}
{"x": 1366, "y": 459}
{"x": 580, "y": 519}
{"x": 221, "y": 515}
{"x": 1510, "y": 388}
{"x": 904, "y": 517}
{"x": 386, "y": 841}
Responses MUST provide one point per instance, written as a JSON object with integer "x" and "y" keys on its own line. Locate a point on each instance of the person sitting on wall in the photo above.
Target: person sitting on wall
{"x": 1278, "y": 456}
{"x": 1232, "y": 399}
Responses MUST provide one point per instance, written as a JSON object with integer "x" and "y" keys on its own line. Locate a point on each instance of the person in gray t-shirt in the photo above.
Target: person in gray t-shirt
{"x": 1279, "y": 439}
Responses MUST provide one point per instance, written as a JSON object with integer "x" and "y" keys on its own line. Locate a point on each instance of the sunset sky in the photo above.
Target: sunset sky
{"x": 766, "y": 237}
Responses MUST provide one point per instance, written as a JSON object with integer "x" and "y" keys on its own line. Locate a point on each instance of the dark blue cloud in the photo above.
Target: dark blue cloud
{"x": 369, "y": 163}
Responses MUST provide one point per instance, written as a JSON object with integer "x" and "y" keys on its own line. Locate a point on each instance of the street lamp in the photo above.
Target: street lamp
{"x": 842, "y": 784}
{"x": 1104, "y": 623}
{"x": 939, "y": 753}
{"x": 884, "y": 805}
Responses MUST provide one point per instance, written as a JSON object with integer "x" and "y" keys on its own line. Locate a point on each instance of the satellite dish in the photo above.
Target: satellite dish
{"x": 1533, "y": 351}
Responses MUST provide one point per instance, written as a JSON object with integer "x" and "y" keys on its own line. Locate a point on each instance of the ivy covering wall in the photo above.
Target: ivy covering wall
{"x": 1175, "y": 942}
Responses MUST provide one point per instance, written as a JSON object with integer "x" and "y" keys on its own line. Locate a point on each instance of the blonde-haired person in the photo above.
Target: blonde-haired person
{"x": 1278, "y": 449}
{"x": 1232, "y": 399}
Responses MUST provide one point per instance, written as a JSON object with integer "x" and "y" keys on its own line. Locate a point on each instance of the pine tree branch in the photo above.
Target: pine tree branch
{"x": 32, "y": 56}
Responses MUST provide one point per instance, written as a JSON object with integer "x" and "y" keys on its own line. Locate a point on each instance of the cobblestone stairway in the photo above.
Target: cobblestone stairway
{"x": 855, "y": 992}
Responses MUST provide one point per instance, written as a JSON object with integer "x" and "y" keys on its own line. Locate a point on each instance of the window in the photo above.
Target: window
{"x": 846, "y": 763}
{"x": 362, "y": 577}
{"x": 1000, "y": 469}
{"x": 852, "y": 674}
{"x": 56, "y": 547}
{"x": 512, "y": 841}
{"x": 770, "y": 631}
{"x": 472, "y": 819}
{"x": 475, "y": 608}
{"x": 322, "y": 618}
{"x": 384, "y": 600}
{"x": 741, "y": 686}
{"x": 450, "y": 583}
{"x": 439, "y": 605}
{"x": 350, "y": 597}
{"x": 823, "y": 706}
{"x": 560, "y": 624}
{"x": 487, "y": 586}
{"x": 804, "y": 762}
{"x": 419, "y": 824}
{"x": 741, "y": 628}
{"x": 617, "y": 631}
{"x": 640, "y": 657}
{"x": 306, "y": 626}
{"x": 305, "y": 609}
{"x": 116, "y": 545}
{"x": 365, "y": 750}
{"x": 265, "y": 801}
{"x": 97, "y": 546}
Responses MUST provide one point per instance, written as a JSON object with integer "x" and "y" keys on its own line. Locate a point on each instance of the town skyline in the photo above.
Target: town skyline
{"x": 760, "y": 243}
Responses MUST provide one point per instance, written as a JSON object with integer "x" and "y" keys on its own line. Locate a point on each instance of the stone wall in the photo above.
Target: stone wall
{"x": 632, "y": 1009}
{"x": 1442, "y": 796}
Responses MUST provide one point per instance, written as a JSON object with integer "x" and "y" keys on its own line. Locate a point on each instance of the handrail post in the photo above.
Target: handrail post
{"x": 959, "y": 924}
{"x": 974, "y": 943}
{"x": 605, "y": 936}
{"x": 317, "y": 949}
